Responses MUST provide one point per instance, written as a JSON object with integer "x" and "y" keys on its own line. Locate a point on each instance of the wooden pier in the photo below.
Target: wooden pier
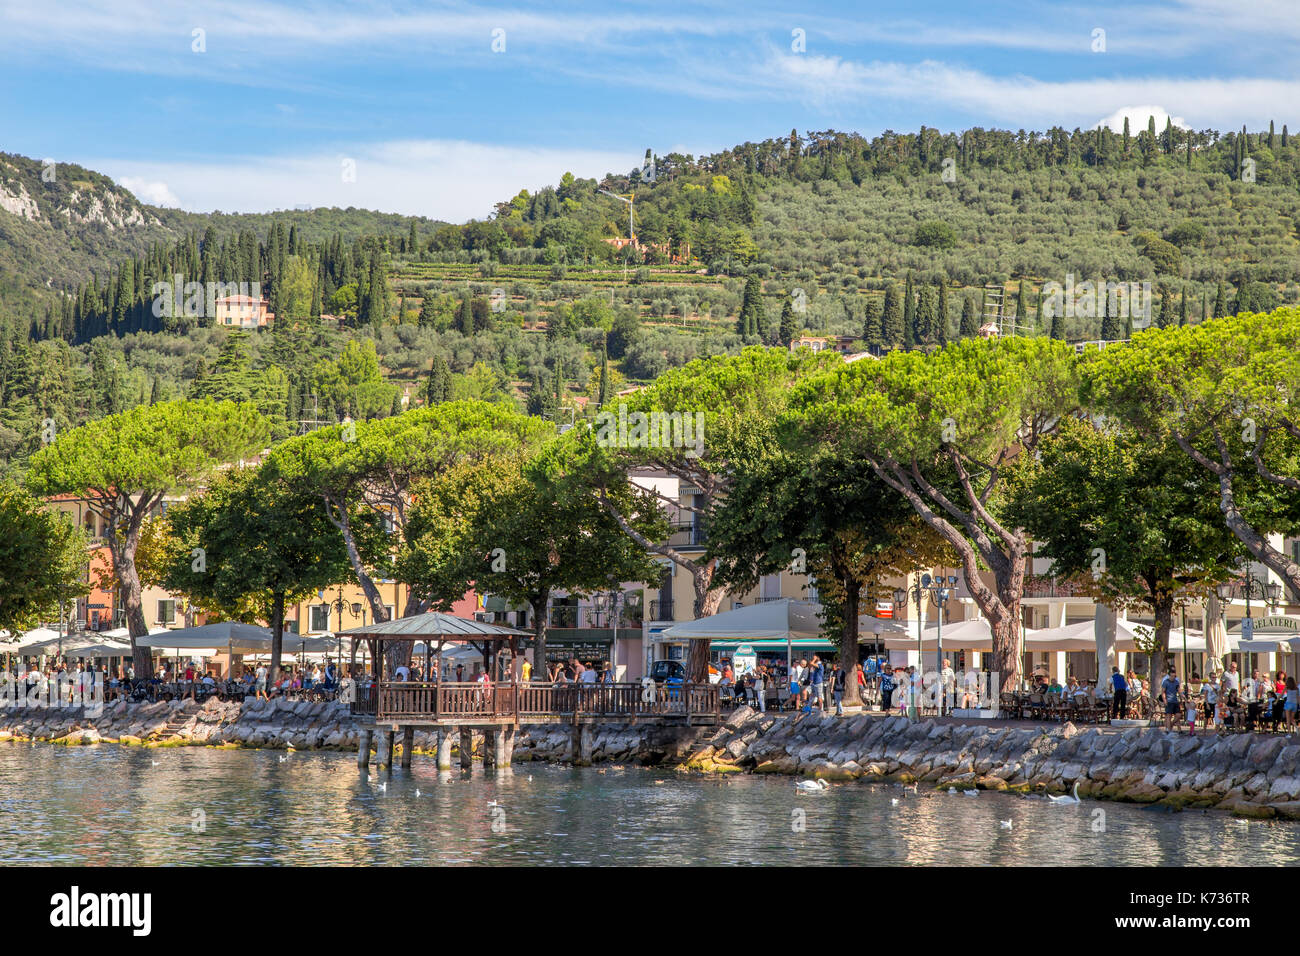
{"x": 497, "y": 708}
{"x": 391, "y": 707}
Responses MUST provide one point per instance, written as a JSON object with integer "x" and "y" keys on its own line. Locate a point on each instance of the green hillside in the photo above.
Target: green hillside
{"x": 894, "y": 241}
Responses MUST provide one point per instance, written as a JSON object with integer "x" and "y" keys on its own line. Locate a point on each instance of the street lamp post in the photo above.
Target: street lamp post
{"x": 940, "y": 589}
{"x": 1250, "y": 586}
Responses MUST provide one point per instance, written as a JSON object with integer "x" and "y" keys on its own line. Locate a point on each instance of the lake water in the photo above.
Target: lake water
{"x": 112, "y": 805}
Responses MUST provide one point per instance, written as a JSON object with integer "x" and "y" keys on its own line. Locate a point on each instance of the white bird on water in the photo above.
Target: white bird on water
{"x": 284, "y": 760}
{"x": 384, "y": 785}
{"x": 156, "y": 763}
{"x": 811, "y": 786}
{"x": 893, "y": 802}
{"x": 1004, "y": 824}
{"x": 1069, "y": 798}
{"x": 417, "y": 792}
{"x": 970, "y": 793}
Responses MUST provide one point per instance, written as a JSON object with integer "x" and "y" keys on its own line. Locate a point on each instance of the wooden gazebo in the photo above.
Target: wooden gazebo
{"x": 385, "y": 705}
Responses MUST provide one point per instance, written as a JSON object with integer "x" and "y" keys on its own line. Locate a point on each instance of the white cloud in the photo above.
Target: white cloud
{"x": 442, "y": 179}
{"x": 154, "y": 192}
{"x": 1024, "y": 100}
{"x": 1137, "y": 117}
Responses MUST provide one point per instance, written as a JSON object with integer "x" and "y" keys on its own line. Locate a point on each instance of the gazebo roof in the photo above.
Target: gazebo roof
{"x": 434, "y": 624}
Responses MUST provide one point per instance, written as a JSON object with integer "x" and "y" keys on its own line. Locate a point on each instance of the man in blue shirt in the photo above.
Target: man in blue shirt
{"x": 818, "y": 679}
{"x": 1119, "y": 705}
{"x": 1169, "y": 688}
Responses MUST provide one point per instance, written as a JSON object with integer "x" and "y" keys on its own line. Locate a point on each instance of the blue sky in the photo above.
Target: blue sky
{"x": 268, "y": 104}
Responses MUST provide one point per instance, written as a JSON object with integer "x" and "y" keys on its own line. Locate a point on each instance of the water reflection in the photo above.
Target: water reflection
{"x": 103, "y": 806}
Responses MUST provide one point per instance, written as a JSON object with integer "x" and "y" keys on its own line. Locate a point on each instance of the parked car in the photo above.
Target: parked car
{"x": 674, "y": 671}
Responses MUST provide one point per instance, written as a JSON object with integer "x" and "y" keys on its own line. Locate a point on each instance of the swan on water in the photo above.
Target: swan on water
{"x": 893, "y": 802}
{"x": 1004, "y": 824}
{"x": 284, "y": 760}
{"x": 971, "y": 793}
{"x": 417, "y": 793}
{"x": 156, "y": 763}
{"x": 1071, "y": 798}
{"x": 811, "y": 785}
{"x": 383, "y": 786}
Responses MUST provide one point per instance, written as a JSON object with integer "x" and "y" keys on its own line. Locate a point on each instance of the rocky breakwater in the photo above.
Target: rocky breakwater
{"x": 1254, "y": 775}
{"x": 269, "y": 723}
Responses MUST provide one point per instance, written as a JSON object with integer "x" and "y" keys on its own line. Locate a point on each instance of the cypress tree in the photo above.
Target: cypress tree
{"x": 1205, "y": 305}
{"x": 437, "y": 389}
{"x": 751, "y": 320}
{"x": 603, "y": 396}
{"x": 893, "y": 328}
{"x": 538, "y": 400}
{"x": 1220, "y": 301}
{"x": 1038, "y": 312}
{"x": 909, "y": 314}
{"x": 1111, "y": 327}
{"x": 872, "y": 330}
{"x": 1285, "y": 136}
{"x": 788, "y": 328}
{"x": 1128, "y": 139}
{"x": 1022, "y": 304}
{"x": 970, "y": 323}
{"x": 465, "y": 318}
{"x": 1166, "y": 307}
{"x": 926, "y": 318}
{"x": 426, "y": 317}
{"x": 1182, "y": 308}
{"x": 941, "y": 315}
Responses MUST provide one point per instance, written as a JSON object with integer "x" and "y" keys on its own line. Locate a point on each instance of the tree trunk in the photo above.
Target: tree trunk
{"x": 707, "y": 600}
{"x": 1004, "y": 618}
{"x": 277, "y": 635}
{"x": 401, "y": 653}
{"x": 378, "y": 613}
{"x": 539, "y": 638}
{"x": 849, "y": 644}
{"x": 1163, "y": 606}
{"x": 123, "y": 554}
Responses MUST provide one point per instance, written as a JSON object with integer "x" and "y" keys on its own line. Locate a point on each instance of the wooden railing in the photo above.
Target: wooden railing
{"x": 413, "y": 699}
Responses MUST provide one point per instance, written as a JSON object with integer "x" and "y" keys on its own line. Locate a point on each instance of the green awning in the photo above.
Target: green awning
{"x": 772, "y": 646}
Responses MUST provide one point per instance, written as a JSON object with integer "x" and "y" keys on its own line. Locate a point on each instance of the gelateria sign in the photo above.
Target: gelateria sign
{"x": 1272, "y": 625}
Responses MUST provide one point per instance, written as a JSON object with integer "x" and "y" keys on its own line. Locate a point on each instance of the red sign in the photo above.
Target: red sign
{"x": 885, "y": 609}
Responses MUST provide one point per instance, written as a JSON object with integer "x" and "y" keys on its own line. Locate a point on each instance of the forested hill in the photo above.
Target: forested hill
{"x": 891, "y": 240}
{"x": 61, "y": 224}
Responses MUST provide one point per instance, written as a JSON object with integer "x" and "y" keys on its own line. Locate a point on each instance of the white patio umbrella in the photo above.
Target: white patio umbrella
{"x": 1216, "y": 637}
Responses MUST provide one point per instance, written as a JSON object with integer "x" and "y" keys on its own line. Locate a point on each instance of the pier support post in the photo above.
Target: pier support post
{"x": 489, "y": 748}
{"x": 444, "y": 748}
{"x": 500, "y": 760}
{"x": 408, "y": 745}
{"x": 505, "y": 747}
{"x": 386, "y": 750}
{"x": 466, "y": 748}
{"x": 364, "y": 739}
{"x": 583, "y": 744}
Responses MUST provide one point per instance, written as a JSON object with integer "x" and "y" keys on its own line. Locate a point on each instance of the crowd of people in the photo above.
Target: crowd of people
{"x": 69, "y": 681}
{"x": 1227, "y": 701}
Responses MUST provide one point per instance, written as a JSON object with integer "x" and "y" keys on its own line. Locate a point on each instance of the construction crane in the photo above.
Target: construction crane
{"x": 631, "y": 223}
{"x": 627, "y": 198}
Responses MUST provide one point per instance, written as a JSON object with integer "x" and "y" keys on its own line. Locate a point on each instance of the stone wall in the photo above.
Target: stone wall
{"x": 1247, "y": 774}
{"x": 1254, "y": 775}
